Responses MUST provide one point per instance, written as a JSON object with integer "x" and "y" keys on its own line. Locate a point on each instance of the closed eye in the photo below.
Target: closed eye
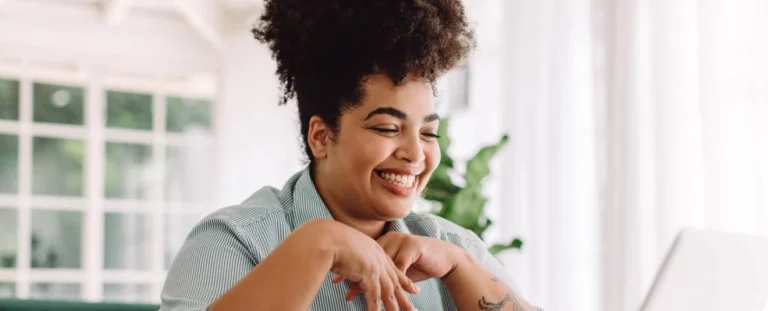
{"x": 384, "y": 130}
{"x": 430, "y": 136}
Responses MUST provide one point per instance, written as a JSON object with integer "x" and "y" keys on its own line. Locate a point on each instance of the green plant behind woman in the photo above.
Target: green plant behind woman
{"x": 465, "y": 206}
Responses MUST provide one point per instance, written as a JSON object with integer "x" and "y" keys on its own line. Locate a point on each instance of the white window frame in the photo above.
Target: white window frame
{"x": 92, "y": 276}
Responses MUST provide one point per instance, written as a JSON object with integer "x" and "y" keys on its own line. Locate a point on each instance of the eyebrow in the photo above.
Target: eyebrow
{"x": 399, "y": 114}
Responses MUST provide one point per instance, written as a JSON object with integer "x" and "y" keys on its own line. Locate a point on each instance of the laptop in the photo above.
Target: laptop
{"x": 709, "y": 270}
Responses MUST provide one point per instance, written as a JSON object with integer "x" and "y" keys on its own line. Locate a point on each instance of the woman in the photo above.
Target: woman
{"x": 340, "y": 235}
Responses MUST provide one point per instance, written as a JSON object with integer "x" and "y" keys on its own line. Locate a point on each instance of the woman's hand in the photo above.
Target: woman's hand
{"x": 361, "y": 260}
{"x": 419, "y": 257}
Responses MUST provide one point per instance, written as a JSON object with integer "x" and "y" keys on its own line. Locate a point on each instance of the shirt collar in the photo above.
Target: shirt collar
{"x": 308, "y": 205}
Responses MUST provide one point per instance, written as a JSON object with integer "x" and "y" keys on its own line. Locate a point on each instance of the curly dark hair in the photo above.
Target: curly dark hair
{"x": 326, "y": 48}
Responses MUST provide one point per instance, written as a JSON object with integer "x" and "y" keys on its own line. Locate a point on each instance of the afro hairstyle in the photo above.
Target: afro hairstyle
{"x": 325, "y": 49}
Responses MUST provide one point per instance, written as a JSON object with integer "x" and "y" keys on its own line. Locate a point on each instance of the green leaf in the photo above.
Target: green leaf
{"x": 482, "y": 228}
{"x": 445, "y": 208}
{"x": 478, "y": 167}
{"x": 444, "y": 142}
{"x": 440, "y": 186}
{"x": 438, "y": 195}
{"x": 466, "y": 208}
{"x": 498, "y": 248}
{"x": 442, "y": 130}
{"x": 445, "y": 160}
{"x": 441, "y": 176}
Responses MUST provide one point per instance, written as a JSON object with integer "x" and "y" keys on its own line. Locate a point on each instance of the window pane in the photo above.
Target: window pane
{"x": 185, "y": 181}
{"x": 9, "y": 99}
{"x": 57, "y": 166}
{"x": 56, "y": 238}
{"x": 128, "y": 170}
{"x": 127, "y": 293}
{"x": 184, "y": 114}
{"x": 7, "y": 290}
{"x": 9, "y": 163}
{"x": 8, "y": 237}
{"x": 127, "y": 241}
{"x": 58, "y": 103}
{"x": 177, "y": 227}
{"x": 129, "y": 110}
{"x": 54, "y": 291}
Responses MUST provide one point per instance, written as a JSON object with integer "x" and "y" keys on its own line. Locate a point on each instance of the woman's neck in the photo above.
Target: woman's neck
{"x": 371, "y": 227}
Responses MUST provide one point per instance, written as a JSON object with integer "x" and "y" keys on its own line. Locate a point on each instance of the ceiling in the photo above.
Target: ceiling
{"x": 168, "y": 6}
{"x": 209, "y": 18}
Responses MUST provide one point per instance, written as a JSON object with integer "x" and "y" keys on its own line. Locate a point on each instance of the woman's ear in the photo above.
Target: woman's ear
{"x": 318, "y": 137}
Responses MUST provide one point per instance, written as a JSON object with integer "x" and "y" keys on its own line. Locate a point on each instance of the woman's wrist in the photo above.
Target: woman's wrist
{"x": 462, "y": 259}
{"x": 320, "y": 237}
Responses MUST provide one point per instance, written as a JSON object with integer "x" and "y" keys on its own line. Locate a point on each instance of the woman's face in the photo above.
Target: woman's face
{"x": 384, "y": 152}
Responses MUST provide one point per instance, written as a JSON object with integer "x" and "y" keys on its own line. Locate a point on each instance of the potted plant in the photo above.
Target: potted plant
{"x": 465, "y": 205}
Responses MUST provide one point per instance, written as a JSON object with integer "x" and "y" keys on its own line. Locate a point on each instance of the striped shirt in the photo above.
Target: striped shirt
{"x": 226, "y": 245}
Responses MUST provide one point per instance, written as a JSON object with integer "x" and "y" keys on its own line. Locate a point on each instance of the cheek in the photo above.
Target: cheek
{"x": 367, "y": 153}
{"x": 432, "y": 156}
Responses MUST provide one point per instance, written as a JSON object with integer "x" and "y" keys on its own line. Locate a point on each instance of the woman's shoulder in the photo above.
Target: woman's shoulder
{"x": 257, "y": 223}
{"x": 263, "y": 205}
{"x": 266, "y": 206}
{"x": 427, "y": 224}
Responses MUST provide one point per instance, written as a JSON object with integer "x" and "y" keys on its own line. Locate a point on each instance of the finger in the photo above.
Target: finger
{"x": 416, "y": 275}
{"x": 406, "y": 282}
{"x": 403, "y": 300}
{"x": 399, "y": 296}
{"x": 386, "y": 237}
{"x": 390, "y": 244}
{"x": 407, "y": 254}
{"x": 403, "y": 260}
{"x": 372, "y": 293}
{"x": 353, "y": 291}
{"x": 388, "y": 291}
{"x": 337, "y": 279}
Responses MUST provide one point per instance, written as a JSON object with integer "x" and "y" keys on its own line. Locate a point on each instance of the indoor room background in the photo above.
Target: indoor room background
{"x": 124, "y": 122}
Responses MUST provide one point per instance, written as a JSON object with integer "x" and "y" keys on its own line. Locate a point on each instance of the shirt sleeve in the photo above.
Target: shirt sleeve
{"x": 213, "y": 258}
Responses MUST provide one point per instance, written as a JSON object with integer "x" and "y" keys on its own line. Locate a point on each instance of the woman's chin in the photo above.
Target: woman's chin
{"x": 396, "y": 210}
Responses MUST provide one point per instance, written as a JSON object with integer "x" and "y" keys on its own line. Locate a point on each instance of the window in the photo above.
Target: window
{"x": 100, "y": 181}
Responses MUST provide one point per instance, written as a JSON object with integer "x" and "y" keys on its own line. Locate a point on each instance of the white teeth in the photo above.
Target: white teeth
{"x": 404, "y": 181}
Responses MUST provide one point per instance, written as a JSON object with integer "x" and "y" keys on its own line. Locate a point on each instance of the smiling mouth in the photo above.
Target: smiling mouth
{"x": 400, "y": 180}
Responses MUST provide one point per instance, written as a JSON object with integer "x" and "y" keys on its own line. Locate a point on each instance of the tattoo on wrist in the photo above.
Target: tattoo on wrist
{"x": 486, "y": 305}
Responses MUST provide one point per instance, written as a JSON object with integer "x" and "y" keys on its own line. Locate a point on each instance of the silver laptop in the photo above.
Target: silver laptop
{"x": 710, "y": 270}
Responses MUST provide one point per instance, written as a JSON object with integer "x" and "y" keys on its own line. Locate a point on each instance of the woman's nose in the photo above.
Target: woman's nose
{"x": 411, "y": 150}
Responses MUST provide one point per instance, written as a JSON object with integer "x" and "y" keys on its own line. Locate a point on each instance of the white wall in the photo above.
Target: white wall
{"x": 258, "y": 141}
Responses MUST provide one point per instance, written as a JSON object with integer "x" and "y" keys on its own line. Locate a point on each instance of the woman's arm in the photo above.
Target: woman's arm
{"x": 473, "y": 284}
{"x": 215, "y": 269}
{"x": 288, "y": 279}
{"x": 473, "y": 287}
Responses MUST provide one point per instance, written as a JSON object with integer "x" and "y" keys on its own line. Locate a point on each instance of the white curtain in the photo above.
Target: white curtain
{"x": 629, "y": 120}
